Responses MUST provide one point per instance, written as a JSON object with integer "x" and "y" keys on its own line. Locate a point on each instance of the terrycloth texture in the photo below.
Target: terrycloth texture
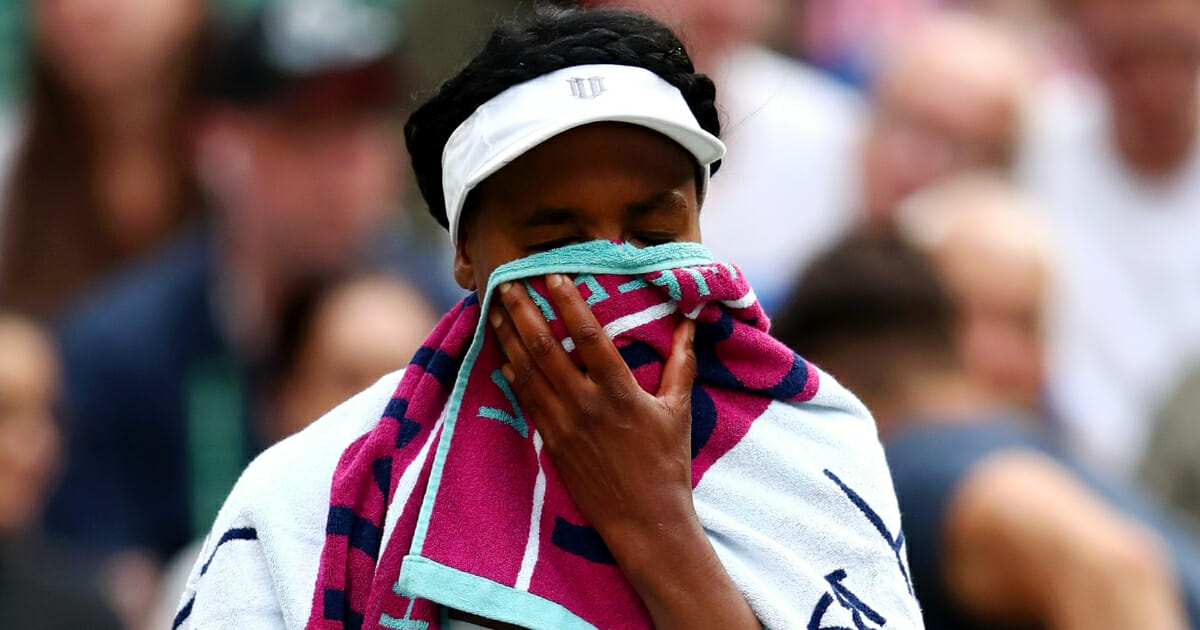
{"x": 448, "y": 500}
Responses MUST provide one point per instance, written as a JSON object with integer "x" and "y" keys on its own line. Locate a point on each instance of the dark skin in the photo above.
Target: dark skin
{"x": 623, "y": 453}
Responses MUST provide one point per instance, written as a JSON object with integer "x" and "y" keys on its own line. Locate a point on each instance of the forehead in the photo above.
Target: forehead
{"x": 592, "y": 163}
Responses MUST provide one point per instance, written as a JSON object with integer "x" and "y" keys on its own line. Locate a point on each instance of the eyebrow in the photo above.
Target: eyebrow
{"x": 548, "y": 216}
{"x": 666, "y": 201}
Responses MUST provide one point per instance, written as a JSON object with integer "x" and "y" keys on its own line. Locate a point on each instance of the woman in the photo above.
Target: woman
{"x": 99, "y": 180}
{"x": 42, "y": 584}
{"x": 521, "y": 473}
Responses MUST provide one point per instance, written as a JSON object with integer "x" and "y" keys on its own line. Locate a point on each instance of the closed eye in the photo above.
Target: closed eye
{"x": 545, "y": 246}
{"x": 656, "y": 238}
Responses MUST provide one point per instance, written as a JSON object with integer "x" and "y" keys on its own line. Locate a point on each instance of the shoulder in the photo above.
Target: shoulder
{"x": 263, "y": 553}
{"x": 930, "y": 456}
{"x": 290, "y": 470}
{"x": 805, "y": 498}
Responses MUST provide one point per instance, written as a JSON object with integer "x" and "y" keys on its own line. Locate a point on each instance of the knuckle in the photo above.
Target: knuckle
{"x": 523, "y": 373}
{"x": 588, "y": 334}
{"x": 618, "y": 396}
{"x": 542, "y": 345}
{"x": 585, "y": 408}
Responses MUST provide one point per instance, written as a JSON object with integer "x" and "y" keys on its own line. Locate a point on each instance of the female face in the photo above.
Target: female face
{"x": 607, "y": 181}
{"x": 29, "y": 435}
{"x": 104, "y": 46}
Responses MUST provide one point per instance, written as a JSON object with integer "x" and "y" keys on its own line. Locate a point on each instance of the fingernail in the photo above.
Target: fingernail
{"x": 494, "y": 318}
{"x": 507, "y": 372}
{"x": 553, "y": 280}
{"x": 691, "y": 330}
{"x": 505, "y": 287}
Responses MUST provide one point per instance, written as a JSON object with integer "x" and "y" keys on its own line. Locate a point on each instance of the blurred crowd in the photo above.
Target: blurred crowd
{"x": 983, "y": 216}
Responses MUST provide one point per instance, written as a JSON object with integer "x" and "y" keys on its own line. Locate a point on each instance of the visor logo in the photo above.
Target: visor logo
{"x": 588, "y": 88}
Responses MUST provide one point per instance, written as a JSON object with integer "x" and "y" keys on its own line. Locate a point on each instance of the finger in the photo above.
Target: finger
{"x": 596, "y": 350}
{"x": 679, "y": 373}
{"x": 534, "y": 393}
{"x": 539, "y": 342}
{"x": 537, "y": 404}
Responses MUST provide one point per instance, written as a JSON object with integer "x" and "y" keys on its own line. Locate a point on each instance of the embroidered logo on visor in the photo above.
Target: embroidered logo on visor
{"x": 588, "y": 88}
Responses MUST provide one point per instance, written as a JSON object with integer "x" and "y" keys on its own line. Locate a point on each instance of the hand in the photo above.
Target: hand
{"x": 624, "y": 454}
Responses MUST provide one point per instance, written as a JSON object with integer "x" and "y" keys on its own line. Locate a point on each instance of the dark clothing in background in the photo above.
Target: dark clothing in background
{"x": 141, "y": 356}
{"x": 929, "y": 461}
{"x": 162, "y": 413}
{"x": 43, "y": 588}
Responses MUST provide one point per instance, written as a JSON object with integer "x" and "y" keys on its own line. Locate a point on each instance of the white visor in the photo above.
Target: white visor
{"x": 526, "y": 115}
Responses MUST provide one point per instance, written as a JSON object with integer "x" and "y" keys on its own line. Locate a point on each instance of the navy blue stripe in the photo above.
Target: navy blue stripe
{"x": 408, "y": 430}
{"x": 183, "y": 614}
{"x": 335, "y": 608}
{"x": 382, "y": 470}
{"x": 363, "y": 534}
{"x": 397, "y": 407}
{"x": 704, "y": 418}
{"x": 334, "y": 604}
{"x": 581, "y": 540}
{"x": 441, "y": 365}
{"x": 241, "y": 533}
{"x": 793, "y": 383}
{"x": 340, "y": 521}
{"x": 639, "y": 353}
{"x": 895, "y": 543}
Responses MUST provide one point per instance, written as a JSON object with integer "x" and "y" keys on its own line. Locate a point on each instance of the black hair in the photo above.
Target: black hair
{"x": 868, "y": 288}
{"x": 550, "y": 39}
{"x": 296, "y": 323}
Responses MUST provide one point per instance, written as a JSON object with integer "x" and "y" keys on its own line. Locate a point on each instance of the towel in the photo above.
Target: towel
{"x": 446, "y": 499}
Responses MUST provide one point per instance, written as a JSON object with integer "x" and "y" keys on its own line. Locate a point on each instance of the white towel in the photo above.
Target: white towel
{"x": 811, "y": 536}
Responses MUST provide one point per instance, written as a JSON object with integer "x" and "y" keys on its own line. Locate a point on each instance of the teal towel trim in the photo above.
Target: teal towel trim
{"x": 388, "y": 621}
{"x": 407, "y": 623}
{"x": 596, "y": 293}
{"x": 670, "y": 283}
{"x": 424, "y": 578}
{"x": 632, "y": 285}
{"x": 542, "y": 303}
{"x": 516, "y": 419}
{"x": 602, "y": 257}
{"x": 698, "y": 278}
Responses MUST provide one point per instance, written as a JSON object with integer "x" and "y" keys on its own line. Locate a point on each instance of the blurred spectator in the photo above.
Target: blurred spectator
{"x": 103, "y": 175}
{"x": 1038, "y": 24}
{"x": 850, "y": 37}
{"x": 41, "y": 586}
{"x": 1003, "y": 531}
{"x": 994, "y": 253}
{"x": 337, "y": 337}
{"x": 1171, "y": 466}
{"x": 298, "y": 153}
{"x": 936, "y": 114}
{"x": 787, "y": 188}
{"x": 1116, "y": 164}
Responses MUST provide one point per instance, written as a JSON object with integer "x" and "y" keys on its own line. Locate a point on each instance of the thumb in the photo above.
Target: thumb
{"x": 680, "y": 371}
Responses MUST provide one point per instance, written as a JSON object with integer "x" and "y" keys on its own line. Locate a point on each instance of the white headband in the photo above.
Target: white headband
{"x": 528, "y": 114}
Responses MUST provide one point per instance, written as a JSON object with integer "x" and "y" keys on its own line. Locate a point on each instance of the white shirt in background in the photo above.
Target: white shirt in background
{"x": 787, "y": 187}
{"x": 1126, "y": 317}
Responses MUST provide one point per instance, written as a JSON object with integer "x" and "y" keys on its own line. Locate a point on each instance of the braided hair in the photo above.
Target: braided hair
{"x": 549, "y": 40}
